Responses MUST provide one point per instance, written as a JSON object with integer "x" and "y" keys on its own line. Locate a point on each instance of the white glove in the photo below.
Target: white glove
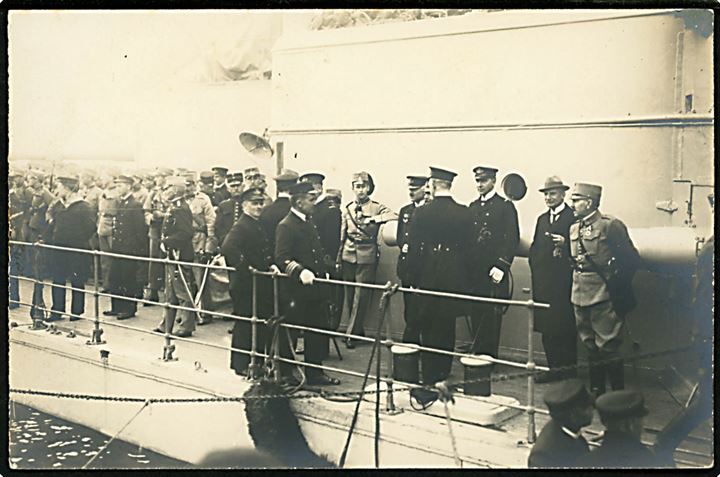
{"x": 307, "y": 277}
{"x": 162, "y": 247}
{"x": 496, "y": 275}
{"x": 274, "y": 268}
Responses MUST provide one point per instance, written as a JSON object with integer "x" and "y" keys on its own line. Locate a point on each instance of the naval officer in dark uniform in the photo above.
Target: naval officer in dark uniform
{"x": 246, "y": 246}
{"x": 300, "y": 254}
{"x": 439, "y": 236}
{"x": 552, "y": 280}
{"x": 73, "y": 227}
{"x": 416, "y": 187}
{"x": 229, "y": 210}
{"x": 220, "y": 190}
{"x": 561, "y": 444}
{"x": 497, "y": 235}
{"x": 275, "y": 212}
{"x": 129, "y": 238}
{"x": 601, "y": 250}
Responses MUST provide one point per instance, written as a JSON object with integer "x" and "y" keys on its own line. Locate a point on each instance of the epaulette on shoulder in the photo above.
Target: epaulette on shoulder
{"x": 607, "y": 217}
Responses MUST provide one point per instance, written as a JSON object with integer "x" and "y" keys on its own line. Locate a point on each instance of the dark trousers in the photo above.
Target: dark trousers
{"x": 155, "y": 271}
{"x": 561, "y": 350}
{"x": 437, "y": 330}
{"x": 412, "y": 319}
{"x": 17, "y": 264}
{"x": 59, "y": 294}
{"x": 123, "y": 282}
{"x": 486, "y": 319}
{"x": 311, "y": 313}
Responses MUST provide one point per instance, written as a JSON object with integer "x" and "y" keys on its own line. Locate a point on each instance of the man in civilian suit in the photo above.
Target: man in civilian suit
{"x": 552, "y": 281}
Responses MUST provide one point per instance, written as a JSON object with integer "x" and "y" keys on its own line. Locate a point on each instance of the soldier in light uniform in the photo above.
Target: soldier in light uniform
{"x": 107, "y": 208}
{"x": 416, "y": 187}
{"x": 230, "y": 210}
{"x": 139, "y": 191}
{"x": 205, "y": 185}
{"x": 204, "y": 241}
{"x": 497, "y": 236}
{"x": 220, "y": 187}
{"x": 599, "y": 246}
{"x": 154, "y": 208}
{"x": 359, "y": 250}
{"x": 176, "y": 242}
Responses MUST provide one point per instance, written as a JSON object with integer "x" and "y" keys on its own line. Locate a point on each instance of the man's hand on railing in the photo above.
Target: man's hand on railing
{"x": 307, "y": 277}
{"x": 274, "y": 268}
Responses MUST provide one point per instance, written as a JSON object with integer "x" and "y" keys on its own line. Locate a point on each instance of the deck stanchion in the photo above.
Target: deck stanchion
{"x": 276, "y": 313}
{"x": 531, "y": 376}
{"x": 169, "y": 347}
{"x": 97, "y": 333}
{"x": 253, "y": 372}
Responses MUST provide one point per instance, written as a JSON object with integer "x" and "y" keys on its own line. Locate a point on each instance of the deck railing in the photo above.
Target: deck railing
{"x": 168, "y": 349}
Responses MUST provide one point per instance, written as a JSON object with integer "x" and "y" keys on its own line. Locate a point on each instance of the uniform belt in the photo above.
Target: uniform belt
{"x": 361, "y": 241}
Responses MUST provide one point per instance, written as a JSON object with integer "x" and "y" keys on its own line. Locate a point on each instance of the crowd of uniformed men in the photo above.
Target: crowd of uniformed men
{"x": 582, "y": 261}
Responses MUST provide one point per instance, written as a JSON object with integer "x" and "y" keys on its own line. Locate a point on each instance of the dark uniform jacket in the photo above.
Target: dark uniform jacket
{"x": 219, "y": 195}
{"x": 177, "y": 232}
{"x": 403, "y": 241}
{"x": 247, "y": 245}
{"x": 129, "y": 229}
{"x": 74, "y": 225}
{"x": 298, "y": 247}
{"x": 619, "y": 450}
{"x": 229, "y": 211}
{"x": 19, "y": 202}
{"x": 552, "y": 275}
{"x": 439, "y": 237}
{"x": 272, "y": 215}
{"x": 555, "y": 448}
{"x": 328, "y": 220}
{"x": 496, "y": 235}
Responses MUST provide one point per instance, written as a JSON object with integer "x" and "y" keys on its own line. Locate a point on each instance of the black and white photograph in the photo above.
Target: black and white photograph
{"x": 381, "y": 238}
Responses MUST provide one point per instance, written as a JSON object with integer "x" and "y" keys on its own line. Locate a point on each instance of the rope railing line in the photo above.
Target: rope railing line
{"x": 386, "y": 343}
{"x": 372, "y": 286}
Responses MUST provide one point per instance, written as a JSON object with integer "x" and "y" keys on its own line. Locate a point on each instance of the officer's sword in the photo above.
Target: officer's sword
{"x": 185, "y": 284}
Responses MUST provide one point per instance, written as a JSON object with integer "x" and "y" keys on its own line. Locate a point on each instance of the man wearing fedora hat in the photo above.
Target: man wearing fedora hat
{"x": 604, "y": 261}
{"x": 73, "y": 227}
{"x": 551, "y": 275}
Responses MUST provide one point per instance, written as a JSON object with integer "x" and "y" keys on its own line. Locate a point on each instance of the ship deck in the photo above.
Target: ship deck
{"x": 662, "y": 392}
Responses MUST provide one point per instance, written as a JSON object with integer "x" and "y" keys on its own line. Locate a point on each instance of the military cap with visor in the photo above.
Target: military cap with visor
{"x": 301, "y": 188}
{"x": 364, "y": 178}
{"x": 219, "y": 170}
{"x": 68, "y": 181}
{"x": 586, "y": 191}
{"x": 416, "y": 182}
{"x": 312, "y": 177}
{"x": 123, "y": 179}
{"x": 253, "y": 193}
{"x": 621, "y": 405}
{"x": 206, "y": 177}
{"x": 235, "y": 178}
{"x": 566, "y": 395}
{"x": 442, "y": 174}
{"x": 484, "y": 172}
{"x": 251, "y": 173}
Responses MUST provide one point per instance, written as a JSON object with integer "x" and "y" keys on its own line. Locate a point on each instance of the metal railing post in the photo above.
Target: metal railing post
{"x": 390, "y": 407}
{"x": 276, "y": 313}
{"x": 97, "y": 333}
{"x": 531, "y": 376}
{"x": 168, "y": 348}
{"x": 253, "y": 372}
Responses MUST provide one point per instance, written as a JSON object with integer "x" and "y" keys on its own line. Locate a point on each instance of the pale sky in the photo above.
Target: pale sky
{"x": 97, "y": 83}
